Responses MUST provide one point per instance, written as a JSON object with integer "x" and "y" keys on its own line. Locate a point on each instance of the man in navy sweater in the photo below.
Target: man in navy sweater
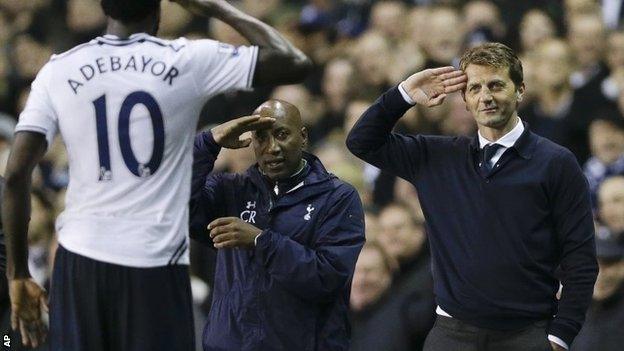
{"x": 504, "y": 209}
{"x": 288, "y": 234}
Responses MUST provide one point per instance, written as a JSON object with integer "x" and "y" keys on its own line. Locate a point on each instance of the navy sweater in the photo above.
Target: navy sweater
{"x": 496, "y": 240}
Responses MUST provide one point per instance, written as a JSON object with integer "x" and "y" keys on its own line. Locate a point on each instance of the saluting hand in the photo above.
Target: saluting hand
{"x": 227, "y": 134}
{"x": 431, "y": 86}
{"x": 231, "y": 232}
{"x": 28, "y": 300}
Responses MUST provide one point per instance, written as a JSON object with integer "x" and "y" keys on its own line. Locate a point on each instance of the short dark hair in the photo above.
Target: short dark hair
{"x": 495, "y": 55}
{"x": 128, "y": 11}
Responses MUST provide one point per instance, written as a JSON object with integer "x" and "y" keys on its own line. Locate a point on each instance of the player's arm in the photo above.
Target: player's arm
{"x": 279, "y": 62}
{"x": 27, "y": 298}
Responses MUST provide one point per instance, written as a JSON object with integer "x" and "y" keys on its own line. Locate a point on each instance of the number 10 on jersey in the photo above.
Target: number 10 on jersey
{"x": 134, "y": 166}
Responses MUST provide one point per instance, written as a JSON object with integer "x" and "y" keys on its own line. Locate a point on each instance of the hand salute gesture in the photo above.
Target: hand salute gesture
{"x": 431, "y": 86}
{"x": 228, "y": 134}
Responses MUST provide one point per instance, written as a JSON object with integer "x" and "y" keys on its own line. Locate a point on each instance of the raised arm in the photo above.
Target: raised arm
{"x": 27, "y": 298}
{"x": 279, "y": 62}
{"x": 372, "y": 140}
{"x": 206, "y": 189}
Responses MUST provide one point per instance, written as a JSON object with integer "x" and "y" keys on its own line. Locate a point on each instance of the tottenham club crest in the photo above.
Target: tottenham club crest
{"x": 249, "y": 215}
{"x": 309, "y": 209}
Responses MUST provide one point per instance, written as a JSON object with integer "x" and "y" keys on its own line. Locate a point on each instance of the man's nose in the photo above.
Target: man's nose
{"x": 486, "y": 96}
{"x": 273, "y": 146}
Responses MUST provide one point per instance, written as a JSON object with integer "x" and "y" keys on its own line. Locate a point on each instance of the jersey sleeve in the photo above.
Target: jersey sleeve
{"x": 38, "y": 114}
{"x": 219, "y": 67}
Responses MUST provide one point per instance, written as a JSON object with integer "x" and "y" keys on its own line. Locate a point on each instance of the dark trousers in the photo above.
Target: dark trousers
{"x": 449, "y": 334}
{"x": 98, "y": 306}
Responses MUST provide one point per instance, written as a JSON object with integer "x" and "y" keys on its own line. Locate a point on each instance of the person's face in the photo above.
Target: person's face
{"x": 372, "y": 59}
{"x": 84, "y": 16}
{"x": 386, "y": 15}
{"x": 554, "y": 65}
{"x": 586, "y": 36}
{"x": 399, "y": 235}
{"x": 491, "y": 96}
{"x": 610, "y": 279}
{"x": 444, "y": 36}
{"x": 337, "y": 79}
{"x": 611, "y": 198}
{"x": 535, "y": 28}
{"x": 606, "y": 141}
{"x": 370, "y": 279}
{"x": 279, "y": 149}
{"x": 615, "y": 54}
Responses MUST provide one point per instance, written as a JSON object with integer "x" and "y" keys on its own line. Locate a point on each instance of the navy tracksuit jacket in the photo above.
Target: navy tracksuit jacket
{"x": 290, "y": 292}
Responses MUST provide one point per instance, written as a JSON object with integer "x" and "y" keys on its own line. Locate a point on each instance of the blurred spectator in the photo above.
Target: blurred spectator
{"x": 84, "y": 19}
{"x": 7, "y": 126}
{"x": 614, "y": 83}
{"x": 611, "y": 206}
{"x": 612, "y": 13}
{"x": 559, "y": 112}
{"x": 483, "y": 23}
{"x": 606, "y": 138}
{"x": 338, "y": 87}
{"x": 459, "y": 121}
{"x": 578, "y": 7}
{"x": 174, "y": 20}
{"x": 402, "y": 319}
{"x": 444, "y": 36}
{"x": 385, "y": 17}
{"x": 603, "y": 325}
{"x": 535, "y": 27}
{"x": 372, "y": 59}
{"x": 29, "y": 56}
{"x": 40, "y": 236}
{"x": 372, "y": 277}
{"x": 587, "y": 37}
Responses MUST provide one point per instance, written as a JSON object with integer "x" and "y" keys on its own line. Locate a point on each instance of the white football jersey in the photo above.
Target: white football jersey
{"x": 127, "y": 112}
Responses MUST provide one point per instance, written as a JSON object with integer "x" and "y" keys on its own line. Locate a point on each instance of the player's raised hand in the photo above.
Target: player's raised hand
{"x": 429, "y": 87}
{"x": 228, "y": 134}
{"x": 231, "y": 232}
{"x": 28, "y": 301}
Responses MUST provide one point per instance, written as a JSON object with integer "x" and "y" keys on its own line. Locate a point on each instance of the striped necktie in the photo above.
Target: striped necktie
{"x": 489, "y": 151}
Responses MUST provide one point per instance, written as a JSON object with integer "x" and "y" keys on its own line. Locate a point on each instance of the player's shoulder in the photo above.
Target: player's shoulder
{"x": 76, "y": 49}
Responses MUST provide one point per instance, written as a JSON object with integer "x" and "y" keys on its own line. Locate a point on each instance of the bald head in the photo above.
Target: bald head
{"x": 281, "y": 110}
{"x": 279, "y": 149}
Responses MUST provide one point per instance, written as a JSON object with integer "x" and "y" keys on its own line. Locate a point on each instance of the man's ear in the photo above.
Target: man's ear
{"x": 304, "y": 137}
{"x": 520, "y": 92}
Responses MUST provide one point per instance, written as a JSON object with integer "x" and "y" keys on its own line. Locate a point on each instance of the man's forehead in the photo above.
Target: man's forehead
{"x": 483, "y": 73}
{"x": 271, "y": 110}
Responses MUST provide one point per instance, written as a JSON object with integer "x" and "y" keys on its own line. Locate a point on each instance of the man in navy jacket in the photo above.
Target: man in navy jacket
{"x": 288, "y": 234}
{"x": 504, "y": 209}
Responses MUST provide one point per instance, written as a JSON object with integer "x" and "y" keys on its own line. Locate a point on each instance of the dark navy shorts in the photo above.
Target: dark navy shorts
{"x": 98, "y": 306}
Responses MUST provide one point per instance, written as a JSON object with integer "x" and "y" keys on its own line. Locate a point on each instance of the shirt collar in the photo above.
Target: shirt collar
{"x": 508, "y": 140}
{"x": 114, "y": 38}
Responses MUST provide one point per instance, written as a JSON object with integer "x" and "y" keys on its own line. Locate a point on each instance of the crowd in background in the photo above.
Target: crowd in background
{"x": 573, "y": 58}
